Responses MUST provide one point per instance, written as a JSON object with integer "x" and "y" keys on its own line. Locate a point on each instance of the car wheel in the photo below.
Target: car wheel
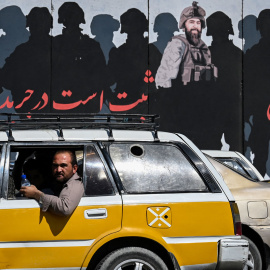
{"x": 131, "y": 258}
{"x": 254, "y": 261}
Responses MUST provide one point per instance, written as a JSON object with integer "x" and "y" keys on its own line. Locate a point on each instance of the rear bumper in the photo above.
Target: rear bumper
{"x": 226, "y": 253}
{"x": 233, "y": 254}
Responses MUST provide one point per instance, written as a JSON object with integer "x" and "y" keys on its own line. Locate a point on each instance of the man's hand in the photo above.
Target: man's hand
{"x": 31, "y": 192}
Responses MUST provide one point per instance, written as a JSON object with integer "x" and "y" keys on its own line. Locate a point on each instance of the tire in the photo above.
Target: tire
{"x": 132, "y": 258}
{"x": 254, "y": 261}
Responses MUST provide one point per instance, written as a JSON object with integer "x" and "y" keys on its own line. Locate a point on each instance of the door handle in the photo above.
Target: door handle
{"x": 96, "y": 213}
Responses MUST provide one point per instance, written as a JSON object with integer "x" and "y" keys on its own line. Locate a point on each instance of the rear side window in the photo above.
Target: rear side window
{"x": 154, "y": 168}
{"x": 96, "y": 180}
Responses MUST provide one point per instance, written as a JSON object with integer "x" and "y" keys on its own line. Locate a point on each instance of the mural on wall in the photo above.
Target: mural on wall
{"x": 27, "y": 70}
{"x": 256, "y": 90}
{"x": 133, "y": 65}
{"x": 79, "y": 73}
{"x": 188, "y": 75}
{"x": 13, "y": 24}
{"x": 202, "y": 67}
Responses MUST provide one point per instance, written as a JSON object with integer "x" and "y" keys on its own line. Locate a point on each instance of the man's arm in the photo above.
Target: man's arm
{"x": 67, "y": 201}
{"x": 170, "y": 63}
{"x": 63, "y": 205}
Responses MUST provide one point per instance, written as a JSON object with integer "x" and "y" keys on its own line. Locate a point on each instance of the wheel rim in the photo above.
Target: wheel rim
{"x": 250, "y": 262}
{"x": 134, "y": 264}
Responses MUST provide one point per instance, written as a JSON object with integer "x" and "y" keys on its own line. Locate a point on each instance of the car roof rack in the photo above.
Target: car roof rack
{"x": 23, "y": 121}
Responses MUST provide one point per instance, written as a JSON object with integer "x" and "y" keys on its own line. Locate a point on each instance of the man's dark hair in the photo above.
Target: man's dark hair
{"x": 71, "y": 153}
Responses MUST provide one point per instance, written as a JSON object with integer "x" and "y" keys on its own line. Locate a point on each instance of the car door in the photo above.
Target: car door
{"x": 34, "y": 239}
{"x": 170, "y": 196}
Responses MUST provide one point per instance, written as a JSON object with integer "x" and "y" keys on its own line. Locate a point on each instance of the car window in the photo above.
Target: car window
{"x": 240, "y": 166}
{"x": 154, "y": 168}
{"x": 234, "y": 164}
{"x": 36, "y": 164}
{"x": 96, "y": 181}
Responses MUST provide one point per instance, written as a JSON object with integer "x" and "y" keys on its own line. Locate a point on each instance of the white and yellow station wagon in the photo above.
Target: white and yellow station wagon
{"x": 152, "y": 199}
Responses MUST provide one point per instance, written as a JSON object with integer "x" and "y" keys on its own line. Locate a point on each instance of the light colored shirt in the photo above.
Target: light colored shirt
{"x": 170, "y": 62}
{"x": 68, "y": 199}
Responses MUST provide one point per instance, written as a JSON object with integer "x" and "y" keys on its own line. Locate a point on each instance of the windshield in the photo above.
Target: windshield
{"x": 239, "y": 166}
{"x": 234, "y": 164}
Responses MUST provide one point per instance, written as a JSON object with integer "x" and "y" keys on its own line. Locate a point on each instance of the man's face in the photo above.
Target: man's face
{"x": 62, "y": 168}
{"x": 193, "y": 29}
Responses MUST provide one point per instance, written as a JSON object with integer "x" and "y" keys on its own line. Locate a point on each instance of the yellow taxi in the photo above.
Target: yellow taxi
{"x": 152, "y": 200}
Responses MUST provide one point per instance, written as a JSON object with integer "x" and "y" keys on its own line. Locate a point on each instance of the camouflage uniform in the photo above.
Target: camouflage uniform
{"x": 193, "y": 62}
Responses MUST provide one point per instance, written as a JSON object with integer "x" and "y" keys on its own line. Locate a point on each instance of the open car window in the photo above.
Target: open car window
{"x": 36, "y": 164}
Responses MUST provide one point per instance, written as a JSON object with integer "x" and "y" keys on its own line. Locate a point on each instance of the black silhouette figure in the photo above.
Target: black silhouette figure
{"x": 102, "y": 27}
{"x": 79, "y": 68}
{"x": 165, "y": 25}
{"x": 13, "y": 23}
{"x": 256, "y": 90}
{"x": 133, "y": 65}
{"x": 248, "y": 31}
{"x": 227, "y": 115}
{"x": 27, "y": 70}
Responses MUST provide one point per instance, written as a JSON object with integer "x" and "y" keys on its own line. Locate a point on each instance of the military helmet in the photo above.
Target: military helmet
{"x": 104, "y": 23}
{"x": 39, "y": 14}
{"x": 14, "y": 13}
{"x": 165, "y": 22}
{"x": 133, "y": 19}
{"x": 70, "y": 11}
{"x": 192, "y": 12}
{"x": 219, "y": 21}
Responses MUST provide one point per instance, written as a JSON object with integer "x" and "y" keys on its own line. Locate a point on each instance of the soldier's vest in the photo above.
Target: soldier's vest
{"x": 196, "y": 63}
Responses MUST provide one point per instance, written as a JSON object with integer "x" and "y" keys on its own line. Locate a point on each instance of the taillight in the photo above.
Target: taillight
{"x": 236, "y": 219}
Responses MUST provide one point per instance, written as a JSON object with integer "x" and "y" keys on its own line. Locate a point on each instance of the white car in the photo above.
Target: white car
{"x": 237, "y": 161}
{"x": 252, "y": 195}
